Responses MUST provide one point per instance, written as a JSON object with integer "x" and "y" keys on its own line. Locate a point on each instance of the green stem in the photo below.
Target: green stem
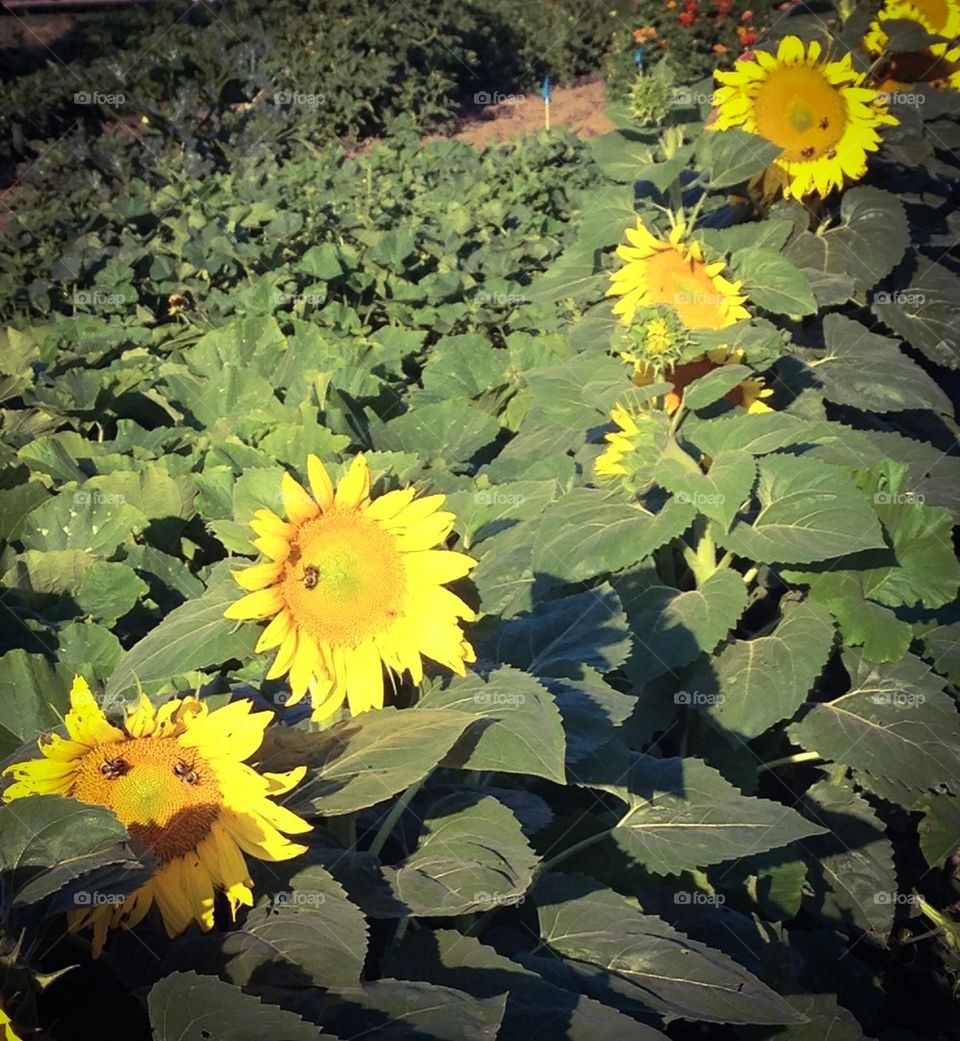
{"x": 578, "y": 847}
{"x": 788, "y": 760}
{"x": 396, "y": 812}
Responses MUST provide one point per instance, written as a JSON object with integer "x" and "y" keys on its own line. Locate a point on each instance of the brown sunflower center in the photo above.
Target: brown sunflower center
{"x": 917, "y": 67}
{"x": 165, "y": 794}
{"x": 344, "y": 580}
{"x": 685, "y": 286}
{"x": 802, "y": 112}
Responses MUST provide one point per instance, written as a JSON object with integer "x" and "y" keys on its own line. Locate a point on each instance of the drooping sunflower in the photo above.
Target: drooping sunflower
{"x": 620, "y": 443}
{"x": 818, "y": 112}
{"x": 937, "y": 64}
{"x": 352, "y": 585}
{"x": 176, "y": 778}
{"x": 749, "y": 394}
{"x": 673, "y": 272}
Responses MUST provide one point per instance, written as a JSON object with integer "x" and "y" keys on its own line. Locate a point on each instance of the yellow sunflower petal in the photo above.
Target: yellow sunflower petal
{"x": 261, "y": 604}
{"x": 320, "y": 483}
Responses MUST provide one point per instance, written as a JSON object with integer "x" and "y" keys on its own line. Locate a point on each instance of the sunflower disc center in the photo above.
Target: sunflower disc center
{"x": 802, "y": 112}
{"x": 685, "y": 286}
{"x": 165, "y": 794}
{"x": 344, "y": 580}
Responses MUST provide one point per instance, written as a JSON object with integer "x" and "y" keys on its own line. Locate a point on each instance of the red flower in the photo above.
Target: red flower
{"x": 690, "y": 6}
{"x": 686, "y": 18}
{"x": 747, "y": 16}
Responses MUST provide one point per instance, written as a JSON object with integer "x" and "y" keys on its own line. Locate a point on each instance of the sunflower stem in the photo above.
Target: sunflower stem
{"x": 396, "y": 812}
{"x": 788, "y": 760}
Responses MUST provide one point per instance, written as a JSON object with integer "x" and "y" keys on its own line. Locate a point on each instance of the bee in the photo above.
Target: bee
{"x": 185, "y": 772}
{"x": 114, "y": 768}
{"x": 311, "y": 576}
{"x": 824, "y": 123}
{"x": 808, "y": 152}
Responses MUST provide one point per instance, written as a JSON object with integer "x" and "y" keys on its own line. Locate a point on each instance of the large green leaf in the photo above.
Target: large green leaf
{"x": 926, "y": 313}
{"x": 92, "y": 521}
{"x": 683, "y": 814}
{"x": 33, "y": 698}
{"x": 525, "y": 730}
{"x": 729, "y": 157}
{"x": 720, "y": 492}
{"x": 808, "y": 512}
{"x": 472, "y": 856}
{"x": 185, "y": 1006}
{"x": 736, "y": 688}
{"x": 895, "y": 722}
{"x": 669, "y": 972}
{"x": 772, "y": 282}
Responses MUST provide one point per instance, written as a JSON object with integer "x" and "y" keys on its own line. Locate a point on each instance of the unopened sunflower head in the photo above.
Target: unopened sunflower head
{"x": 657, "y": 339}
{"x": 673, "y": 272}
{"x": 817, "y": 111}
{"x": 176, "y": 777}
{"x": 351, "y": 585}
{"x": 936, "y": 64}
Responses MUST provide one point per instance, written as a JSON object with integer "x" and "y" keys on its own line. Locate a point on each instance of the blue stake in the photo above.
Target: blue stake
{"x": 545, "y": 92}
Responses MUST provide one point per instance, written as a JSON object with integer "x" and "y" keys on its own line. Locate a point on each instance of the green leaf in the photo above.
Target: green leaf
{"x": 939, "y": 830}
{"x": 576, "y": 391}
{"x": 591, "y": 532}
{"x": 193, "y": 636}
{"x": 32, "y": 699}
{"x": 895, "y": 722}
{"x": 525, "y": 733}
{"x": 90, "y": 521}
{"x": 808, "y": 512}
{"x": 719, "y": 493}
{"x": 683, "y": 814}
{"x": 734, "y": 688}
{"x": 472, "y": 856}
{"x": 730, "y": 157}
{"x": 185, "y": 1006}
{"x": 758, "y": 434}
{"x": 668, "y": 971}
{"x": 109, "y": 590}
{"x": 672, "y": 628}
{"x": 853, "y": 881}
{"x": 586, "y": 628}
{"x": 362, "y": 761}
{"x": 772, "y": 282}
{"x": 926, "y": 313}
{"x": 708, "y": 389}
{"x": 310, "y": 928}
{"x": 453, "y": 430}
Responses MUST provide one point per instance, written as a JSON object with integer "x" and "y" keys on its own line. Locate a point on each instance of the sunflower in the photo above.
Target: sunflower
{"x": 619, "y": 444}
{"x": 673, "y": 272}
{"x": 937, "y": 64}
{"x": 176, "y": 778}
{"x": 818, "y": 113}
{"x": 351, "y": 585}
{"x": 7, "y": 1033}
{"x": 749, "y": 394}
